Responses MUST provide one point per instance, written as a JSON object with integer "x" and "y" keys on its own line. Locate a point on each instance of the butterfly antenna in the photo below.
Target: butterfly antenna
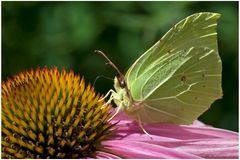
{"x": 109, "y": 62}
{"x": 101, "y": 76}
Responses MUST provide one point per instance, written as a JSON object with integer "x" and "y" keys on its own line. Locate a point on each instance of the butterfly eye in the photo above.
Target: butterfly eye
{"x": 122, "y": 82}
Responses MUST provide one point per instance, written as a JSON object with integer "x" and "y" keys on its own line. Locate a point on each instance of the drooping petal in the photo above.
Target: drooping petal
{"x": 105, "y": 155}
{"x": 171, "y": 141}
{"x": 139, "y": 149}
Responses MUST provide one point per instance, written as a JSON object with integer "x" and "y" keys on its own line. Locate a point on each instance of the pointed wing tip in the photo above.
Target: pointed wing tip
{"x": 217, "y": 15}
{"x": 208, "y": 14}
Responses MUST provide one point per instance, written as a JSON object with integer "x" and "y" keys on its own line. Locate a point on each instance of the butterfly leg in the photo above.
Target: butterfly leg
{"x": 117, "y": 111}
{"x": 141, "y": 126}
{"x": 114, "y": 96}
{"x": 110, "y": 91}
{"x": 108, "y": 102}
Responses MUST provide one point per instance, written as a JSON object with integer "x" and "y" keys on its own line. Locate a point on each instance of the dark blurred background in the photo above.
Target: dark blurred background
{"x": 65, "y": 34}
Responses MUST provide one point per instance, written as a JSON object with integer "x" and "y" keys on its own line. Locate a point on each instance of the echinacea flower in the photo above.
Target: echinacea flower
{"x": 52, "y": 114}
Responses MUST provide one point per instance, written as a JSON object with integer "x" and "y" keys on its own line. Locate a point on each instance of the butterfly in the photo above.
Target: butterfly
{"x": 177, "y": 79}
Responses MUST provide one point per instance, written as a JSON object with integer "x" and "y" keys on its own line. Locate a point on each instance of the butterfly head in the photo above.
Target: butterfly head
{"x": 120, "y": 85}
{"x": 121, "y": 81}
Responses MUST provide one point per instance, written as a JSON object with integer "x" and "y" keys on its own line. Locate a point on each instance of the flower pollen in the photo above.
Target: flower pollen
{"x": 51, "y": 114}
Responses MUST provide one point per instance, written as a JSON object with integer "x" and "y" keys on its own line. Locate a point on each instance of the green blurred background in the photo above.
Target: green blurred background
{"x": 65, "y": 34}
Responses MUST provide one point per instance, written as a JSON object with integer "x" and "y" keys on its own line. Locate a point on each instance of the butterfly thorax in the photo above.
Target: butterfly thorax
{"x": 122, "y": 97}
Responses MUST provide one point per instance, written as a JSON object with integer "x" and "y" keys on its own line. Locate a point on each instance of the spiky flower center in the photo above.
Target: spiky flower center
{"x": 51, "y": 114}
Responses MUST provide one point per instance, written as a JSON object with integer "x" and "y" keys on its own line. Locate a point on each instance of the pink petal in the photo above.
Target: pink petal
{"x": 105, "y": 155}
{"x": 197, "y": 129}
{"x": 172, "y": 141}
{"x": 137, "y": 149}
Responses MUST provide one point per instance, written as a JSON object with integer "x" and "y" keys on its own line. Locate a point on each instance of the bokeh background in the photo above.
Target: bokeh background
{"x": 65, "y": 34}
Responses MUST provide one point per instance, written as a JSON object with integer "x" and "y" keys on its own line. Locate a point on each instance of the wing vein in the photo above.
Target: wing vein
{"x": 166, "y": 113}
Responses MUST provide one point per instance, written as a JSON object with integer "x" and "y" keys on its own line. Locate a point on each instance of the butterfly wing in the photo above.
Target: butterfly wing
{"x": 179, "y": 77}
